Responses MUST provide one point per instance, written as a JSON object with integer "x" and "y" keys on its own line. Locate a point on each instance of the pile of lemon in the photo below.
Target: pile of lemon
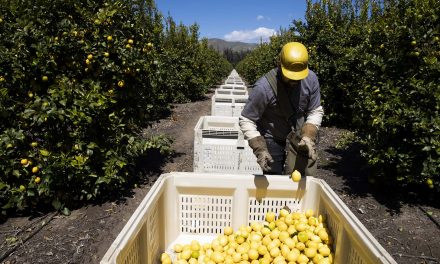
{"x": 290, "y": 238}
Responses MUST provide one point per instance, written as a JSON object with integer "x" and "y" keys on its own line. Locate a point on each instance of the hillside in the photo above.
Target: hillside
{"x": 221, "y": 45}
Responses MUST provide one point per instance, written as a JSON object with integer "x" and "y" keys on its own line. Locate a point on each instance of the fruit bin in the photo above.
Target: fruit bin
{"x": 220, "y": 92}
{"x": 228, "y": 105}
{"x": 233, "y": 87}
{"x": 181, "y": 207}
{"x": 219, "y": 146}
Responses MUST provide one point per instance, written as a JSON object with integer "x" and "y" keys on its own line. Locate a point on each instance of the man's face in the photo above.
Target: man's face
{"x": 290, "y": 83}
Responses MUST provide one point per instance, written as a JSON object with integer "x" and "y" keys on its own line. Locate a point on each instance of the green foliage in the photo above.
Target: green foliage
{"x": 378, "y": 66}
{"x": 78, "y": 82}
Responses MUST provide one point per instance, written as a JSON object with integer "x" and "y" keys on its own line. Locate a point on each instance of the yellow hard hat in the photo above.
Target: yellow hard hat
{"x": 294, "y": 59}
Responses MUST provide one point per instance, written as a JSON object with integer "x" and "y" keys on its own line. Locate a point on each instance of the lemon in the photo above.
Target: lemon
{"x": 35, "y": 169}
{"x": 195, "y": 254}
{"x": 310, "y": 252}
{"x": 292, "y": 256}
{"x": 177, "y": 248}
{"x": 302, "y": 259}
{"x": 121, "y": 83}
{"x": 296, "y": 176}
{"x": 228, "y": 230}
{"x": 324, "y": 251}
{"x": 270, "y": 217}
{"x": 309, "y": 213}
{"x": 300, "y": 246}
{"x": 284, "y": 212}
{"x": 164, "y": 256}
{"x": 253, "y": 254}
{"x": 186, "y": 254}
{"x": 22, "y": 188}
{"x": 323, "y": 235}
{"x": 90, "y": 56}
{"x": 317, "y": 258}
{"x": 303, "y": 237}
{"x": 275, "y": 252}
{"x": 300, "y": 226}
{"x": 37, "y": 180}
{"x": 24, "y": 161}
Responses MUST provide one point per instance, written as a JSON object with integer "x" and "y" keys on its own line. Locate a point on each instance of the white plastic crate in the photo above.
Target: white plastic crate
{"x": 219, "y": 146}
{"x": 220, "y": 91}
{"x": 181, "y": 207}
{"x": 228, "y": 105}
{"x": 233, "y": 87}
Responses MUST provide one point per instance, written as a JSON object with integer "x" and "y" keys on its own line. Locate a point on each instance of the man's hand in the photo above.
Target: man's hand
{"x": 307, "y": 146}
{"x": 264, "y": 159}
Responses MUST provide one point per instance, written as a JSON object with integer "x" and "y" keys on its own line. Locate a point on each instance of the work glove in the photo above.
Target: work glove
{"x": 306, "y": 145}
{"x": 264, "y": 159}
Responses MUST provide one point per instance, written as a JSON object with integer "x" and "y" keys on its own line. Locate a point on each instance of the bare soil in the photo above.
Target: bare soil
{"x": 404, "y": 223}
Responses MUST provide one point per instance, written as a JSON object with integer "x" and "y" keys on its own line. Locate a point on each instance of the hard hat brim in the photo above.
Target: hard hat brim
{"x": 295, "y": 75}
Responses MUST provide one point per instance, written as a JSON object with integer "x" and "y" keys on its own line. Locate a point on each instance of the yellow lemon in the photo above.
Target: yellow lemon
{"x": 296, "y": 176}
{"x": 324, "y": 251}
{"x": 309, "y": 213}
{"x": 310, "y": 252}
{"x": 178, "y": 248}
{"x": 253, "y": 254}
{"x": 270, "y": 217}
{"x": 228, "y": 230}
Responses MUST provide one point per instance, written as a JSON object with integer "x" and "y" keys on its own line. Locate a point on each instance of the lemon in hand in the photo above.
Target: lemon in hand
{"x": 296, "y": 176}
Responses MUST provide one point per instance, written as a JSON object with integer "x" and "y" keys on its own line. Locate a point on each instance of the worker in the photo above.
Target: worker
{"x": 283, "y": 115}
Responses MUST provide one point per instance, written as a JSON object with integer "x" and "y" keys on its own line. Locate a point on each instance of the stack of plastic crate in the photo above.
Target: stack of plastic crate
{"x": 230, "y": 98}
{"x": 219, "y": 144}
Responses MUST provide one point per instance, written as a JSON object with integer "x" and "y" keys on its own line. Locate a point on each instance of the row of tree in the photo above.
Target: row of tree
{"x": 378, "y": 66}
{"x": 79, "y": 80}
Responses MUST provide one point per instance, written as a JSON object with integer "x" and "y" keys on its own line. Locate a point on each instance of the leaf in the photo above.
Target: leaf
{"x": 44, "y": 152}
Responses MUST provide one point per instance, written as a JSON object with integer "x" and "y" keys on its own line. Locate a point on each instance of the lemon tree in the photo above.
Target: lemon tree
{"x": 378, "y": 67}
{"x": 78, "y": 83}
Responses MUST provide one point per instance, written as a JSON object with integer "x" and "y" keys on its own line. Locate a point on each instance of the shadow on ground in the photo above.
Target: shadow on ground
{"x": 358, "y": 181}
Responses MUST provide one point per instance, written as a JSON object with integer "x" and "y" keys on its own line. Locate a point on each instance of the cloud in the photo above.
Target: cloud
{"x": 261, "y": 17}
{"x": 250, "y": 35}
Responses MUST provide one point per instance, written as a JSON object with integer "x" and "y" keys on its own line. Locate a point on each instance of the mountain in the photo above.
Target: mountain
{"x": 221, "y": 45}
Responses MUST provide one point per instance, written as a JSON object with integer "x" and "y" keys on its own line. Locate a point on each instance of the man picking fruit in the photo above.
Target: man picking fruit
{"x": 283, "y": 115}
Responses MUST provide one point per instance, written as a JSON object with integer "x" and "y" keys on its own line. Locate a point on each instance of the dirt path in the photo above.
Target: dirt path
{"x": 84, "y": 236}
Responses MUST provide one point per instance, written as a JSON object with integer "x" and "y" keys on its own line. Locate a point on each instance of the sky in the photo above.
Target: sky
{"x": 245, "y": 21}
